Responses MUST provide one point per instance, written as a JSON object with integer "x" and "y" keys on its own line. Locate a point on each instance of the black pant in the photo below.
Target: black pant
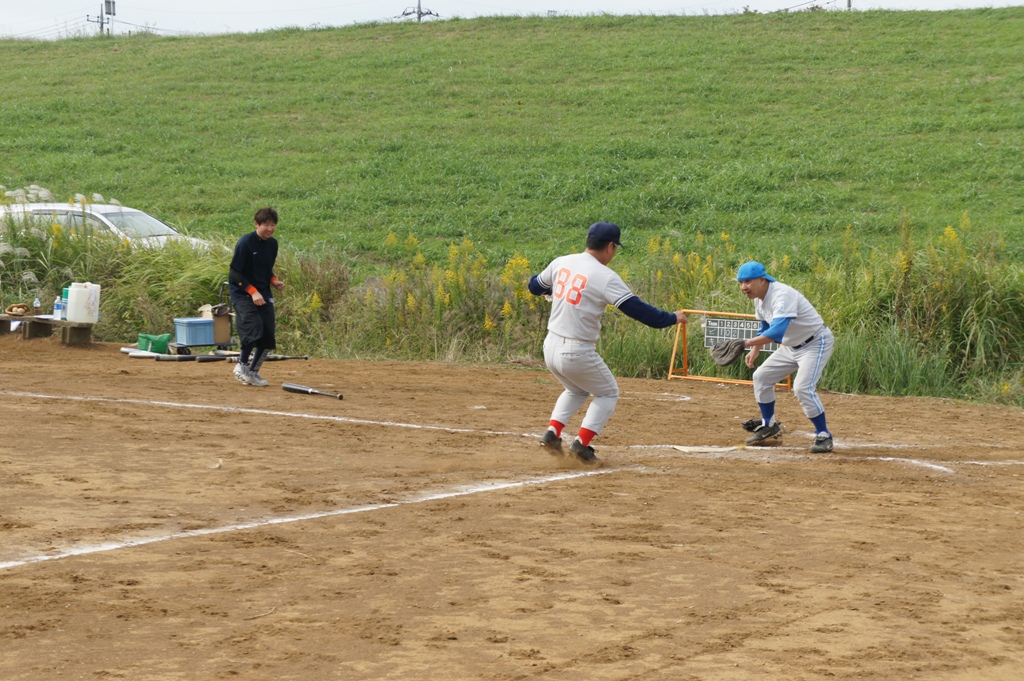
{"x": 255, "y": 323}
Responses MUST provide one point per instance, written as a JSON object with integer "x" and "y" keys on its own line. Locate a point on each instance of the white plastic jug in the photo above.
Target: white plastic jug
{"x": 94, "y": 302}
{"x": 84, "y": 303}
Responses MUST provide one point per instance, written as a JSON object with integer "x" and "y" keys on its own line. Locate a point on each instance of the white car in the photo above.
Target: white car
{"x": 127, "y": 223}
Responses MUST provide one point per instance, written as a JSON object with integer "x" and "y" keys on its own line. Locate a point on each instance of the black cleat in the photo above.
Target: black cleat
{"x": 822, "y": 443}
{"x": 552, "y": 442}
{"x": 765, "y": 433}
{"x": 584, "y": 453}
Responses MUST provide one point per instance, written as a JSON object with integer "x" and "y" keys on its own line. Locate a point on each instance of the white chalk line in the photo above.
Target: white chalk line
{"x": 451, "y": 429}
{"x": 743, "y": 453}
{"x": 659, "y": 397}
{"x": 268, "y": 412}
{"x": 457, "y": 491}
{"x": 778, "y": 454}
{"x": 264, "y": 412}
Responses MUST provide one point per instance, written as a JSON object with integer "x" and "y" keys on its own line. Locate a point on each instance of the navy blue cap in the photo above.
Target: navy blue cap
{"x": 605, "y": 231}
{"x": 752, "y": 270}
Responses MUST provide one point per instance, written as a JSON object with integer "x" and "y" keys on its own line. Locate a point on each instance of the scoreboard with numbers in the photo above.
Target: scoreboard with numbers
{"x": 721, "y": 329}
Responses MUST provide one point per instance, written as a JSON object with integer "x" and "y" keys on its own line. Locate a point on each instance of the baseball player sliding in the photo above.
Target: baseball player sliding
{"x": 805, "y": 345}
{"x": 581, "y": 286}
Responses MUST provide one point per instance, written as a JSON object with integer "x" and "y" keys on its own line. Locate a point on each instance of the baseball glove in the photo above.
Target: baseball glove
{"x": 726, "y": 352}
{"x": 19, "y": 309}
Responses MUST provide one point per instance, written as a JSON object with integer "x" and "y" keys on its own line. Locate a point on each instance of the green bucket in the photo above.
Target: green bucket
{"x": 154, "y": 343}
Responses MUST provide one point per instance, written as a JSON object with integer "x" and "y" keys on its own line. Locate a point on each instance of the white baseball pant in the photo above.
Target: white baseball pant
{"x": 808, "y": 362}
{"x": 582, "y": 373}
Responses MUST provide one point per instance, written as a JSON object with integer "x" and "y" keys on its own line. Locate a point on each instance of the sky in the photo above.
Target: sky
{"x": 54, "y": 19}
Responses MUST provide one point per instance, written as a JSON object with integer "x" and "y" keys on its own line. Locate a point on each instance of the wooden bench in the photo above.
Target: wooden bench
{"x": 71, "y": 333}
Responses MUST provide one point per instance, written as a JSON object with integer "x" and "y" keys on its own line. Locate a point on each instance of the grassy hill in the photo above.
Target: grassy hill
{"x": 779, "y": 130}
{"x": 423, "y": 172}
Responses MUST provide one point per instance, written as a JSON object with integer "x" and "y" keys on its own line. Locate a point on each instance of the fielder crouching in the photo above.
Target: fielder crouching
{"x": 805, "y": 345}
{"x": 581, "y": 286}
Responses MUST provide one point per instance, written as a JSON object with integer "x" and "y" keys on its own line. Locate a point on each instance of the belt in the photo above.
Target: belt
{"x": 808, "y": 341}
{"x": 797, "y": 347}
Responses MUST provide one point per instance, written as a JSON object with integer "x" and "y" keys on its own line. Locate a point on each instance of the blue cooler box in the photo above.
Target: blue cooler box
{"x": 193, "y": 331}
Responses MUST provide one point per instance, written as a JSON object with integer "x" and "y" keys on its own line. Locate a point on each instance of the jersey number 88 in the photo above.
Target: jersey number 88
{"x": 572, "y": 291}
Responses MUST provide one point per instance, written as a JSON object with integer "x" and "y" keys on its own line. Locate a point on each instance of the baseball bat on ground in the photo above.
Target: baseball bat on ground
{"x": 178, "y": 358}
{"x": 270, "y": 358}
{"x": 305, "y": 390}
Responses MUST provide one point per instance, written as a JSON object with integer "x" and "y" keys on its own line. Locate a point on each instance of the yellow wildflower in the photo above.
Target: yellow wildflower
{"x": 965, "y": 222}
{"x": 479, "y": 266}
{"x": 516, "y": 270}
{"x": 316, "y": 304}
{"x": 442, "y": 295}
{"x": 903, "y": 261}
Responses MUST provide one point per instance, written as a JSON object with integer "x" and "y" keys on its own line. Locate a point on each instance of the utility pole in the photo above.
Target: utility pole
{"x": 419, "y": 12}
{"x": 107, "y": 10}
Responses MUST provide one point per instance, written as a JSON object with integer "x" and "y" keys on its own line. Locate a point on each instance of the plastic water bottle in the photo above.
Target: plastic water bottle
{"x": 37, "y": 307}
{"x": 57, "y": 308}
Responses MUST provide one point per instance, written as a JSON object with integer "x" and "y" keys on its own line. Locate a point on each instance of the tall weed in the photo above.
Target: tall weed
{"x": 460, "y": 310}
{"x": 941, "y": 318}
{"x": 38, "y": 260}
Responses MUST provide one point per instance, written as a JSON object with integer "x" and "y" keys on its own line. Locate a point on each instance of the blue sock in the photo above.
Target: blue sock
{"x": 819, "y": 424}
{"x": 767, "y": 411}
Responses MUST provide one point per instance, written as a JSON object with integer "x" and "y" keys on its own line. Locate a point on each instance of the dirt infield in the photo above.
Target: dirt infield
{"x": 160, "y": 521}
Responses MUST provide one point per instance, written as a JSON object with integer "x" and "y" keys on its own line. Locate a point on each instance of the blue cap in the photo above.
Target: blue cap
{"x": 605, "y": 231}
{"x": 752, "y": 270}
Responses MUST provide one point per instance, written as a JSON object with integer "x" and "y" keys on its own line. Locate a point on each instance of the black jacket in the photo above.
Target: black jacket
{"x": 253, "y": 265}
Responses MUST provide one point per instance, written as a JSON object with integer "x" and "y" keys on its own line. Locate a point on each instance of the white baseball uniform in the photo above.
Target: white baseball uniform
{"x": 581, "y": 289}
{"x": 805, "y": 348}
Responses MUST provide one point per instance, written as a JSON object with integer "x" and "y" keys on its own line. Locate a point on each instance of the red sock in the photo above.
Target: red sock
{"x": 586, "y": 436}
{"x": 557, "y": 426}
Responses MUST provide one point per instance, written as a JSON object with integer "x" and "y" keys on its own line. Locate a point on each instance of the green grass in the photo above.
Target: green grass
{"x": 423, "y": 172}
{"x": 780, "y": 130}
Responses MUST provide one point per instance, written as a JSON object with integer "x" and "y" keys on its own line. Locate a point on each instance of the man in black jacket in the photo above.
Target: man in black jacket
{"x": 252, "y": 278}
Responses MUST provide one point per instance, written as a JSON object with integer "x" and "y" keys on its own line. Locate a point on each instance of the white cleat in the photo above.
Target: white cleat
{"x": 257, "y": 380}
{"x": 242, "y": 374}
